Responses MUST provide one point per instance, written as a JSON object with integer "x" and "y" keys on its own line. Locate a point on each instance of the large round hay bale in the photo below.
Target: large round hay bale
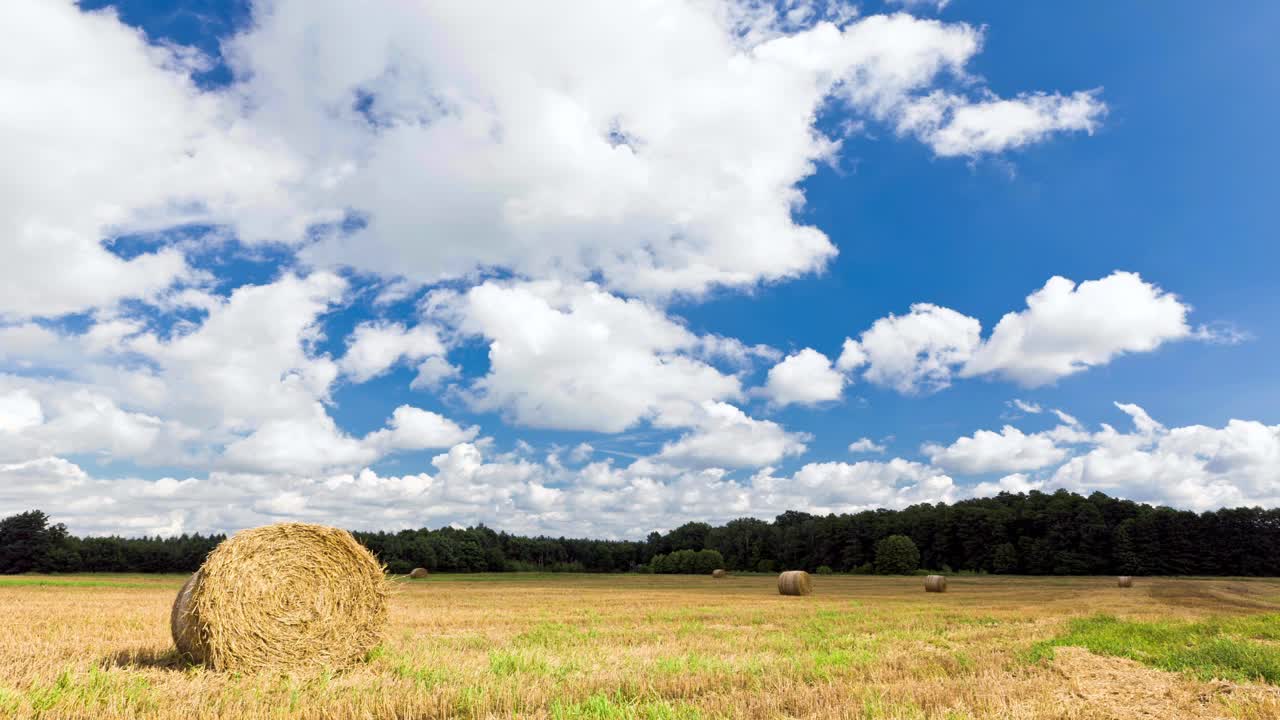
{"x": 419, "y": 573}
{"x": 1124, "y": 581}
{"x": 288, "y": 596}
{"x": 795, "y": 582}
{"x": 718, "y": 573}
{"x": 935, "y": 583}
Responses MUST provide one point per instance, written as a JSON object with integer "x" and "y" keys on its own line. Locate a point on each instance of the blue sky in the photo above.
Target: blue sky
{"x": 580, "y": 273}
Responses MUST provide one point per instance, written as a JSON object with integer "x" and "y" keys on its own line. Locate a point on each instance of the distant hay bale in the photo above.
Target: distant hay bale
{"x": 418, "y": 573}
{"x": 289, "y": 596}
{"x": 718, "y": 573}
{"x": 935, "y": 583}
{"x": 795, "y": 582}
{"x": 1124, "y": 581}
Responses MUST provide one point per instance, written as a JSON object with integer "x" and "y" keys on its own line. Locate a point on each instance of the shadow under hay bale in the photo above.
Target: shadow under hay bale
{"x": 1124, "y": 581}
{"x": 289, "y": 596}
{"x": 146, "y": 658}
{"x": 418, "y": 574}
{"x": 935, "y": 583}
{"x": 795, "y": 582}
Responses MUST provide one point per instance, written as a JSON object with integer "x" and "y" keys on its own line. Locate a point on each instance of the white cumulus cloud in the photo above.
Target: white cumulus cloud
{"x": 577, "y": 357}
{"x": 1068, "y": 328}
{"x": 916, "y": 352}
{"x": 659, "y": 146}
{"x": 804, "y": 378}
{"x": 953, "y": 125}
{"x": 866, "y": 445}
{"x": 1065, "y": 329}
{"x": 374, "y": 347}
{"x": 724, "y": 436}
{"x": 986, "y": 451}
{"x": 105, "y": 133}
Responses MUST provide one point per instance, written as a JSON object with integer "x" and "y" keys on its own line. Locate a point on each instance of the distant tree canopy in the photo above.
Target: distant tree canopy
{"x": 897, "y": 555}
{"x": 1058, "y": 533}
{"x": 687, "y": 562}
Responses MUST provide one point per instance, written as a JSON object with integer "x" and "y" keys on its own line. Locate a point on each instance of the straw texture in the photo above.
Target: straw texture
{"x": 795, "y": 582}
{"x": 290, "y": 596}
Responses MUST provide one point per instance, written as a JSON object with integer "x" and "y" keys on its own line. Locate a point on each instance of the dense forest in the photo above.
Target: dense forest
{"x": 1037, "y": 533}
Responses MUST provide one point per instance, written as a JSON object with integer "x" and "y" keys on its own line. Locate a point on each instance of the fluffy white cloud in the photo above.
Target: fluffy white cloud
{"x": 374, "y": 347}
{"x": 850, "y": 487}
{"x": 300, "y": 444}
{"x": 19, "y": 411}
{"x": 953, "y": 125}
{"x": 315, "y": 444}
{"x": 41, "y": 418}
{"x": 658, "y": 149}
{"x": 433, "y": 372}
{"x": 243, "y": 389}
{"x": 1012, "y": 483}
{"x": 250, "y": 360}
{"x": 463, "y": 486}
{"x": 866, "y": 445}
{"x": 1068, "y": 328}
{"x": 158, "y": 152}
{"x": 804, "y": 378}
{"x": 23, "y": 484}
{"x": 1065, "y": 329}
{"x": 660, "y": 146}
{"x": 1195, "y": 467}
{"x": 576, "y": 357}
{"x": 986, "y": 451}
{"x": 412, "y": 428}
{"x": 916, "y": 352}
{"x": 725, "y": 436}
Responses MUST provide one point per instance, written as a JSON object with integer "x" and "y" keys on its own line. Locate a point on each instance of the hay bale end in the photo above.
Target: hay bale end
{"x": 795, "y": 582}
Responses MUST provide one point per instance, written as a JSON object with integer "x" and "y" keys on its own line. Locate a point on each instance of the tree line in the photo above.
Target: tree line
{"x": 1035, "y": 533}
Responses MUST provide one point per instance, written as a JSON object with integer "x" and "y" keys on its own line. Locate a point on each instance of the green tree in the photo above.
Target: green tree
{"x": 29, "y": 543}
{"x": 1005, "y": 559}
{"x": 897, "y": 555}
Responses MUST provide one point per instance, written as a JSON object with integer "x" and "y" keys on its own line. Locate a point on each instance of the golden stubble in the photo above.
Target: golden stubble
{"x": 609, "y": 646}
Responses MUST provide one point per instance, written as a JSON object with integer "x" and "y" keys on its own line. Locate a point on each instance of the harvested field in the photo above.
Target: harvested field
{"x": 596, "y": 646}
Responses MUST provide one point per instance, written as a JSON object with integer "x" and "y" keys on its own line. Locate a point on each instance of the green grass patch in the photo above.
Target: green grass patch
{"x": 20, "y": 581}
{"x": 604, "y": 707}
{"x": 825, "y": 661}
{"x": 504, "y": 664}
{"x": 422, "y": 676}
{"x": 94, "y": 689}
{"x": 1225, "y": 648}
{"x": 10, "y": 701}
{"x": 554, "y": 635}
